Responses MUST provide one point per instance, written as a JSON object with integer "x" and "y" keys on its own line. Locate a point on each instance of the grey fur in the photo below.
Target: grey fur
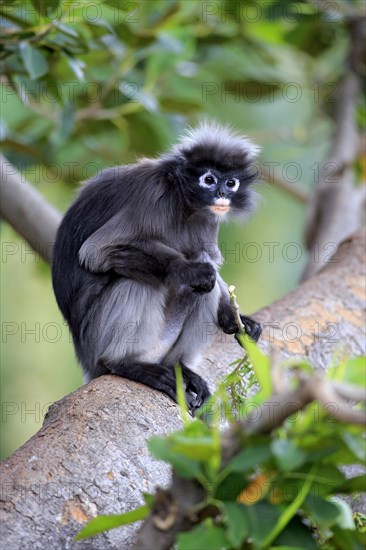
{"x": 157, "y": 314}
{"x": 136, "y": 260}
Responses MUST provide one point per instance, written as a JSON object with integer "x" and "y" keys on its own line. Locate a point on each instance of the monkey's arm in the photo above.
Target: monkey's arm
{"x": 226, "y": 318}
{"x": 149, "y": 261}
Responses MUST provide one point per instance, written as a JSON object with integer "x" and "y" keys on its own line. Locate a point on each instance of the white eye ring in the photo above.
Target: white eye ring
{"x": 202, "y": 182}
{"x": 234, "y": 187}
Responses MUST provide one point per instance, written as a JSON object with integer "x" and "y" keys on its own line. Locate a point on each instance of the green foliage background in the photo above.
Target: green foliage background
{"x": 88, "y": 85}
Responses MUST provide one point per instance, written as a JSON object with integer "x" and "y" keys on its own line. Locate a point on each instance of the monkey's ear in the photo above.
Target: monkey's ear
{"x": 172, "y": 167}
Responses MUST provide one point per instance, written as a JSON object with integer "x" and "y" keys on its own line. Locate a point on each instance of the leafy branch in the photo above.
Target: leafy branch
{"x": 268, "y": 450}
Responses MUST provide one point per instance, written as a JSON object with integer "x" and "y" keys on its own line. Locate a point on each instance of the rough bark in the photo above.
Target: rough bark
{"x": 91, "y": 457}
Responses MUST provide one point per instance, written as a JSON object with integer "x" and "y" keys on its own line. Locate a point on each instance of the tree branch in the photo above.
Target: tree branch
{"x": 336, "y": 209}
{"x": 294, "y": 190}
{"x": 27, "y": 211}
{"x": 90, "y": 457}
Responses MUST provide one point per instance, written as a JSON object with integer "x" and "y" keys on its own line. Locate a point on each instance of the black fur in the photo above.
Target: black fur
{"x": 135, "y": 269}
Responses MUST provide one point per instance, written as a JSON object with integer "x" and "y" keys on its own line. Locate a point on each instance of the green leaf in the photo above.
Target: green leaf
{"x": 356, "y": 444}
{"x": 261, "y": 367}
{"x": 289, "y": 512}
{"x": 263, "y": 518}
{"x": 104, "y": 523}
{"x": 345, "y": 514}
{"x": 287, "y": 456}
{"x": 34, "y": 61}
{"x": 327, "y": 480}
{"x": 231, "y": 487}
{"x": 203, "y": 537}
{"x": 249, "y": 458}
{"x": 351, "y": 370}
{"x": 77, "y": 66}
{"x": 355, "y": 484}
{"x": 354, "y": 371}
{"x": 162, "y": 449}
{"x": 181, "y": 398}
{"x": 45, "y": 7}
{"x": 296, "y": 536}
{"x": 149, "y": 499}
{"x": 322, "y": 512}
{"x": 235, "y": 362}
{"x": 347, "y": 539}
{"x": 66, "y": 29}
{"x": 9, "y": 2}
{"x": 147, "y": 100}
{"x": 197, "y": 441}
{"x": 237, "y": 521}
{"x": 195, "y": 447}
{"x": 66, "y": 124}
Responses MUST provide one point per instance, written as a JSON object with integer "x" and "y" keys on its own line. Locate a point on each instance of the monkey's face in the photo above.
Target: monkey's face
{"x": 220, "y": 192}
{"x": 215, "y": 169}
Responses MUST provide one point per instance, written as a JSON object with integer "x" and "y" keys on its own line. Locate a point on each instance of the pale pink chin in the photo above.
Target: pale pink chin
{"x": 219, "y": 209}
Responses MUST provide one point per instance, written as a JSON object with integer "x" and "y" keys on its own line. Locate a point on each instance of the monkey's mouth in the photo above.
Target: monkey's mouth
{"x": 221, "y": 207}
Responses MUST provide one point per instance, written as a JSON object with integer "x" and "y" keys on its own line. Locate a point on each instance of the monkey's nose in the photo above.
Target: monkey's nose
{"x": 221, "y": 194}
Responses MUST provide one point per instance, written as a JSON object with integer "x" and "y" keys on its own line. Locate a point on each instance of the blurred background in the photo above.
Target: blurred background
{"x": 95, "y": 84}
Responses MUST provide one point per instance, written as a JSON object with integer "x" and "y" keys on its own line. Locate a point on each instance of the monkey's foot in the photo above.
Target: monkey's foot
{"x": 252, "y": 328}
{"x": 162, "y": 378}
{"x": 196, "y": 389}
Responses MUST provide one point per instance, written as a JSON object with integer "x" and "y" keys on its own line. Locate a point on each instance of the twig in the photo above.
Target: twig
{"x": 327, "y": 395}
{"x": 235, "y": 309}
{"x": 97, "y": 113}
{"x": 349, "y": 392}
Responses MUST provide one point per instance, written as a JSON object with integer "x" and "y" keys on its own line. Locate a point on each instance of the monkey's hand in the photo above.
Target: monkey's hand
{"x": 201, "y": 276}
{"x": 228, "y": 324}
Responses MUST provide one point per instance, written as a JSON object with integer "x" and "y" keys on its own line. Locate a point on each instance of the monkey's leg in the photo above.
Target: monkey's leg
{"x": 162, "y": 378}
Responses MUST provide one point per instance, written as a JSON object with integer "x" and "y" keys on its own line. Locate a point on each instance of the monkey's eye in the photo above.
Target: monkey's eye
{"x": 206, "y": 180}
{"x": 232, "y": 183}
